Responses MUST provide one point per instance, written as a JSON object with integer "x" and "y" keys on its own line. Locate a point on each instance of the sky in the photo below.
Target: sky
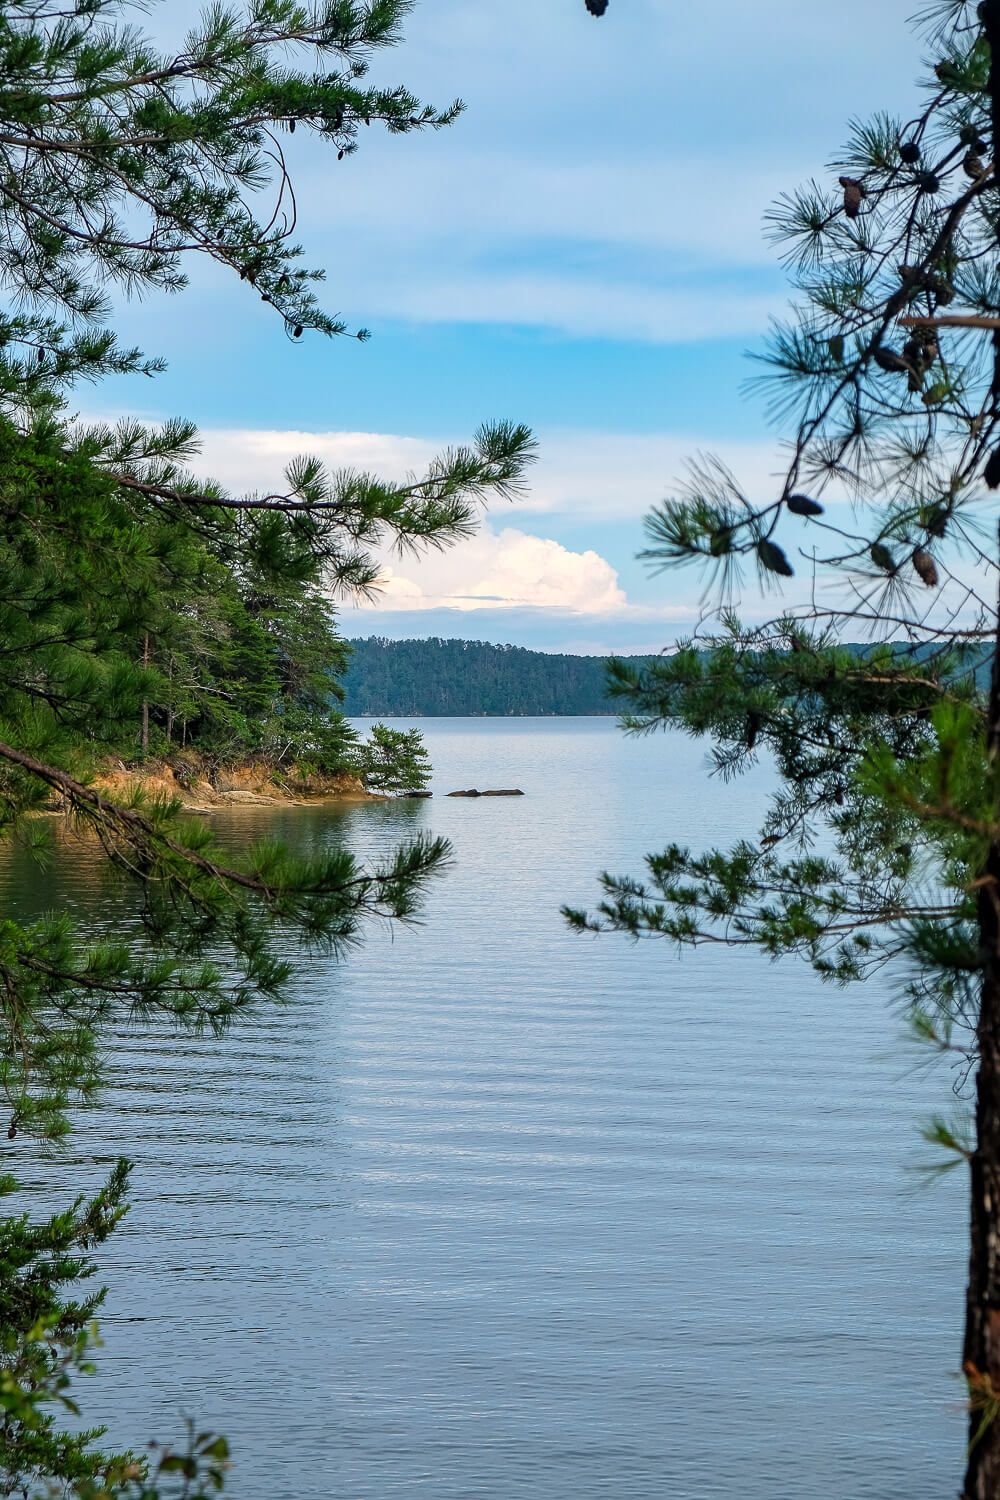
{"x": 583, "y": 252}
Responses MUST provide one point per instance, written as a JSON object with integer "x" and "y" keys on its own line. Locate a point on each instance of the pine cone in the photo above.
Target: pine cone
{"x": 937, "y": 521}
{"x": 773, "y": 559}
{"x": 969, "y": 136}
{"x": 597, "y": 7}
{"x": 854, "y": 195}
{"x": 925, "y": 567}
{"x": 909, "y": 152}
{"x": 891, "y": 362}
{"x": 801, "y": 505}
{"x": 992, "y": 471}
{"x": 882, "y": 557}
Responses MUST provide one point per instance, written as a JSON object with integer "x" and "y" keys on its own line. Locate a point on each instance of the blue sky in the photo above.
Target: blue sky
{"x": 583, "y": 251}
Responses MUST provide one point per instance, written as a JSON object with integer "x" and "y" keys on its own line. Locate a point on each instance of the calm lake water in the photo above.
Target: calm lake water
{"x": 496, "y": 1211}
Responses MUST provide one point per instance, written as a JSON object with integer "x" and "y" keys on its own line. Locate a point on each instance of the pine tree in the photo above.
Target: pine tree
{"x": 45, "y": 1336}
{"x": 132, "y": 592}
{"x": 887, "y": 753}
{"x": 393, "y": 761}
{"x": 139, "y": 600}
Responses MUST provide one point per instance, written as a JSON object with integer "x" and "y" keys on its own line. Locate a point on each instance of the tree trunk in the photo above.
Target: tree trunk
{"x": 144, "y": 736}
{"x": 982, "y": 1325}
{"x": 982, "y": 1322}
{"x": 982, "y": 1317}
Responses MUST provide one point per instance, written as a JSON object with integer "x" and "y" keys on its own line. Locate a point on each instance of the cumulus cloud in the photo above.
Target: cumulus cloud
{"x": 506, "y": 568}
{"x": 512, "y": 583}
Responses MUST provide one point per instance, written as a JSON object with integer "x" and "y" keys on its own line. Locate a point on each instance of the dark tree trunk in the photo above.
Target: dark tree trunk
{"x": 982, "y": 1322}
{"x": 982, "y": 1326}
{"x": 144, "y": 736}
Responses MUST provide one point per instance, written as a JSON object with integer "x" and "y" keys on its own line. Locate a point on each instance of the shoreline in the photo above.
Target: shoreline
{"x": 202, "y": 789}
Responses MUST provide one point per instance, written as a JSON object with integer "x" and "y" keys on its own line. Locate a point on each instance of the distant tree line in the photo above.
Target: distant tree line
{"x": 470, "y": 679}
{"x": 475, "y": 679}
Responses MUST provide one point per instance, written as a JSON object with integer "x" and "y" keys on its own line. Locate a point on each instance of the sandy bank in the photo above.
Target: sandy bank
{"x": 203, "y": 788}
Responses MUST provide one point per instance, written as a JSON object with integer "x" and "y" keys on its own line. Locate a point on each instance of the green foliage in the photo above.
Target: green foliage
{"x": 393, "y": 761}
{"x": 46, "y": 1336}
{"x": 826, "y": 716}
{"x": 872, "y": 848}
{"x": 469, "y": 679}
{"x": 880, "y": 848}
{"x": 144, "y": 609}
{"x": 118, "y": 160}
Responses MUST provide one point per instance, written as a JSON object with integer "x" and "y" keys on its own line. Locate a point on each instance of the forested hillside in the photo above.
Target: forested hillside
{"x": 469, "y": 679}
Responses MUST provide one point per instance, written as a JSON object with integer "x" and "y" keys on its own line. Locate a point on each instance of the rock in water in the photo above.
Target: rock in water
{"x": 516, "y": 792}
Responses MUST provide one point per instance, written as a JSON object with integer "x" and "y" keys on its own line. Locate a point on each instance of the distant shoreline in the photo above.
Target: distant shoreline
{"x": 456, "y": 679}
{"x": 398, "y": 713}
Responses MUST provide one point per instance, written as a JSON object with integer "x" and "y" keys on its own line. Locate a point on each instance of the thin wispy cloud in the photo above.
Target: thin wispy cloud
{"x": 583, "y": 251}
{"x": 601, "y": 476}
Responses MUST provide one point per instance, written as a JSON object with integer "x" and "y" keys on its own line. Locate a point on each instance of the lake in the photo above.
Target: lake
{"x": 493, "y": 1210}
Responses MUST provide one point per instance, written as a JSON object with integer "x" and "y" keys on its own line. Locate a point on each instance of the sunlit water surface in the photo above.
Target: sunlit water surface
{"x": 493, "y": 1210}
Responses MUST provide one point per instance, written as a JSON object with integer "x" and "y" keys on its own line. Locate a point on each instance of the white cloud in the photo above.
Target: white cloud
{"x": 509, "y": 568}
{"x": 511, "y": 580}
{"x": 246, "y": 458}
{"x": 603, "y": 476}
{"x": 650, "y": 202}
{"x": 625, "y": 193}
{"x": 619, "y": 306}
{"x": 598, "y": 476}
{"x": 607, "y": 178}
